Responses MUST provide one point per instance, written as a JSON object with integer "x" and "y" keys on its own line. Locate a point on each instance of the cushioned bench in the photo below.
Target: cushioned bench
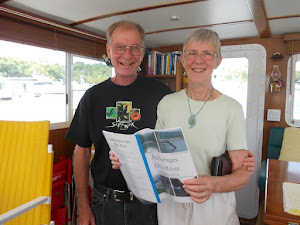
{"x": 284, "y": 144}
{"x": 274, "y": 147}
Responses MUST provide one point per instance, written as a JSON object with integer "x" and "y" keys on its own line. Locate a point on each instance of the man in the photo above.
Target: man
{"x": 125, "y": 103}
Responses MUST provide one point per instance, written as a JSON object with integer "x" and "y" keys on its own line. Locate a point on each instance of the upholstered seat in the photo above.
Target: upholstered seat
{"x": 25, "y": 173}
{"x": 274, "y": 147}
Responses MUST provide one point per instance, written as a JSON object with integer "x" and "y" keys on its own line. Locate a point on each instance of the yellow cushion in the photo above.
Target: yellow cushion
{"x": 290, "y": 150}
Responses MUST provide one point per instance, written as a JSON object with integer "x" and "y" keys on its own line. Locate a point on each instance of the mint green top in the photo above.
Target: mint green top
{"x": 219, "y": 126}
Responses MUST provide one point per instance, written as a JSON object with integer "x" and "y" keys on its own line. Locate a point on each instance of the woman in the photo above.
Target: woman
{"x": 211, "y": 123}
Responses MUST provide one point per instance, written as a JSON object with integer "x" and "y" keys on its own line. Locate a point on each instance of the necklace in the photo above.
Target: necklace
{"x": 192, "y": 119}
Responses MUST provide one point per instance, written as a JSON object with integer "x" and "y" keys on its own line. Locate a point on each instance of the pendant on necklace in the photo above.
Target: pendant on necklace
{"x": 192, "y": 121}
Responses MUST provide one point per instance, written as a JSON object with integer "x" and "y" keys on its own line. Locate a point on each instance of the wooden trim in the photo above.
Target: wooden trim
{"x": 135, "y": 10}
{"x": 291, "y": 37}
{"x": 257, "y": 9}
{"x": 179, "y": 75}
{"x": 161, "y": 76}
{"x": 26, "y": 17}
{"x": 284, "y": 17}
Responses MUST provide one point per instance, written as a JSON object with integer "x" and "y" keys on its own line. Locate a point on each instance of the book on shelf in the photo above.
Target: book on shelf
{"x": 154, "y": 163}
{"x": 159, "y": 63}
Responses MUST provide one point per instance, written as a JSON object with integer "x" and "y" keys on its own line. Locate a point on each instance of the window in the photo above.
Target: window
{"x": 38, "y": 83}
{"x": 231, "y": 78}
{"x": 292, "y": 106}
{"x": 86, "y": 73}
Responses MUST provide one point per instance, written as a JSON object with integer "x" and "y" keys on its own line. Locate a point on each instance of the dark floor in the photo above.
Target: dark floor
{"x": 256, "y": 221}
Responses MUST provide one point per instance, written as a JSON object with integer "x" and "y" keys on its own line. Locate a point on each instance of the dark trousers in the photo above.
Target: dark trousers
{"x": 107, "y": 211}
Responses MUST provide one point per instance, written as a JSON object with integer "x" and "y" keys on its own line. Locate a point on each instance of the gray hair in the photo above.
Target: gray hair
{"x": 204, "y": 36}
{"x": 126, "y": 24}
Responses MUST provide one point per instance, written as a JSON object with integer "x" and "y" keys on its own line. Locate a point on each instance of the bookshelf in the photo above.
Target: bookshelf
{"x": 175, "y": 82}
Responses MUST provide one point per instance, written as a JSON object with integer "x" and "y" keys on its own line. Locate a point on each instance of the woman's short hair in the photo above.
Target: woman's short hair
{"x": 204, "y": 36}
{"x": 126, "y": 24}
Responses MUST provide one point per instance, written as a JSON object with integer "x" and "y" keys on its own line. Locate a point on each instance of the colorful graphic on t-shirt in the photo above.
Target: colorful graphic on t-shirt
{"x": 135, "y": 114}
{"x": 123, "y": 114}
{"x": 111, "y": 113}
{"x": 123, "y": 109}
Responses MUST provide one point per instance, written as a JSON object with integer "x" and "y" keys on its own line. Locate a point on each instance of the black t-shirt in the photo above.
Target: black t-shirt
{"x": 119, "y": 109}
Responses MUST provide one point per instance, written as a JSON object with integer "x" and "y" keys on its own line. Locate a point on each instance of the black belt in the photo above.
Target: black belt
{"x": 118, "y": 196}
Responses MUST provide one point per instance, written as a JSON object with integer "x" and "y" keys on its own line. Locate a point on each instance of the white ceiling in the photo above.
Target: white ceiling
{"x": 229, "y": 18}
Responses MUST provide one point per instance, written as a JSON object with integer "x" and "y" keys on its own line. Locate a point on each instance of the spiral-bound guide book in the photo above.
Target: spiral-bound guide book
{"x": 154, "y": 163}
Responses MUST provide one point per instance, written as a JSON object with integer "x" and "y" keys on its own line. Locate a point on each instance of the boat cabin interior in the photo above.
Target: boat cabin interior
{"x": 51, "y": 52}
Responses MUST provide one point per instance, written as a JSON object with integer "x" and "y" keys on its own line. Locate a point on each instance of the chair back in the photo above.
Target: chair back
{"x": 275, "y": 142}
{"x": 25, "y": 169}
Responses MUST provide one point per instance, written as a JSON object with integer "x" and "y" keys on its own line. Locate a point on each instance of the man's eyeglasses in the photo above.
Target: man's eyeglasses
{"x": 205, "y": 55}
{"x": 134, "y": 49}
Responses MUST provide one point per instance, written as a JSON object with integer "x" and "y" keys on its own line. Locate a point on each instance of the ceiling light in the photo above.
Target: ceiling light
{"x": 174, "y": 18}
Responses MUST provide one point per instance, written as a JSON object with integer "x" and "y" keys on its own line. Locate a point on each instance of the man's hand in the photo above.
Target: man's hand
{"x": 86, "y": 216}
{"x": 249, "y": 162}
{"x": 114, "y": 160}
{"x": 81, "y": 162}
{"x": 242, "y": 158}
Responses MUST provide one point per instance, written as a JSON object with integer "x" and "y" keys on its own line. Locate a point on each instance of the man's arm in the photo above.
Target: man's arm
{"x": 81, "y": 170}
{"x": 241, "y": 158}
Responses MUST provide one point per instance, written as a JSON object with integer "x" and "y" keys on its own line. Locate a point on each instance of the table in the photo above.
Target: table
{"x": 278, "y": 172}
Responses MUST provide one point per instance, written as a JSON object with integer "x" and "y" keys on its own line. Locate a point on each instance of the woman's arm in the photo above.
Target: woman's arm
{"x": 201, "y": 188}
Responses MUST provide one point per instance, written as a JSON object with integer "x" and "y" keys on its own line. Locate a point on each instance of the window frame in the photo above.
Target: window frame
{"x": 290, "y": 91}
{"x": 69, "y": 90}
{"x": 256, "y": 55}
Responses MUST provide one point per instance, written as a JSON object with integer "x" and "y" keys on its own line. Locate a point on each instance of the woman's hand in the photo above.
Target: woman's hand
{"x": 249, "y": 162}
{"x": 200, "y": 189}
{"x": 114, "y": 160}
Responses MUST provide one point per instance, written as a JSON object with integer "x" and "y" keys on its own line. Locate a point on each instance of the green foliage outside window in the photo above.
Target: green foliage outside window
{"x": 92, "y": 73}
{"x": 297, "y": 76}
{"x": 239, "y": 74}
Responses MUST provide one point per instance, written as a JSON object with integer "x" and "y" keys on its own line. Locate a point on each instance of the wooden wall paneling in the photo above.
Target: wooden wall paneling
{"x": 293, "y": 47}
{"x": 12, "y": 29}
{"x": 292, "y": 37}
{"x": 61, "y": 146}
{"x": 77, "y": 45}
{"x": 179, "y": 76}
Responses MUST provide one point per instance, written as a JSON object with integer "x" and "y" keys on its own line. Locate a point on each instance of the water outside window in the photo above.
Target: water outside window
{"x": 32, "y": 83}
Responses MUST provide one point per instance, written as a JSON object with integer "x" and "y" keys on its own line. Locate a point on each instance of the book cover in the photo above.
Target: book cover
{"x": 154, "y": 163}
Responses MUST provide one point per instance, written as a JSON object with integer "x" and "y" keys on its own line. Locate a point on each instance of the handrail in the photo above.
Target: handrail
{"x": 5, "y": 217}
